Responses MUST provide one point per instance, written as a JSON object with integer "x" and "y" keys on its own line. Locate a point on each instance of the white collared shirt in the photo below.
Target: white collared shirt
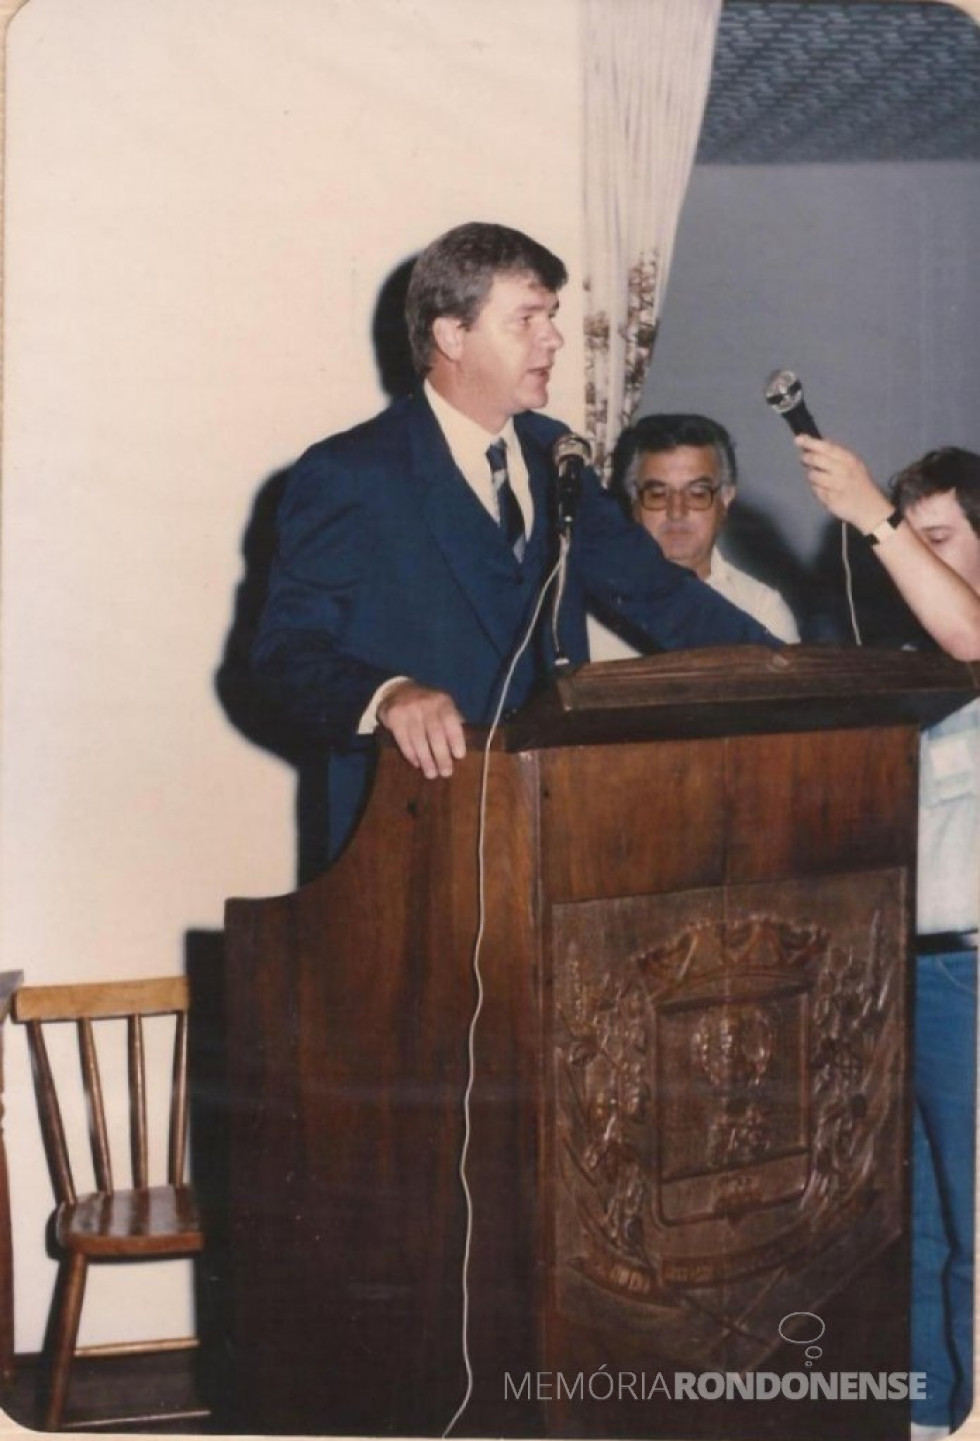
{"x": 949, "y": 823}
{"x": 468, "y": 443}
{"x": 757, "y": 599}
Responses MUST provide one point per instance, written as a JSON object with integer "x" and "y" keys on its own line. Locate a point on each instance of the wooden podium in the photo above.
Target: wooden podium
{"x": 689, "y": 1109}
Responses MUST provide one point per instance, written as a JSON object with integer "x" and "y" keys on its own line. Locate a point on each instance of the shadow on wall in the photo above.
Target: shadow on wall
{"x": 240, "y": 698}
{"x": 392, "y": 351}
{"x": 817, "y": 593}
{"x": 751, "y": 541}
{"x": 210, "y": 1119}
{"x": 883, "y": 618}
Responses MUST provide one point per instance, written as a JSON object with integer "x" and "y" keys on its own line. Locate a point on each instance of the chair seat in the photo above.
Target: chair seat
{"x": 154, "y": 1221}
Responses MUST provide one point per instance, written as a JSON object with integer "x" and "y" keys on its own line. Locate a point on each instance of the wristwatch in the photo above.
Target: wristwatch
{"x": 878, "y": 532}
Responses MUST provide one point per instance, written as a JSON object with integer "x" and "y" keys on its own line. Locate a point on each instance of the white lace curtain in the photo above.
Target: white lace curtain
{"x": 647, "y": 71}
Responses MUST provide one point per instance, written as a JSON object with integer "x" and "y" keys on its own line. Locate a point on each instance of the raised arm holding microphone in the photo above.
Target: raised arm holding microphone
{"x": 923, "y": 540}
{"x": 413, "y": 548}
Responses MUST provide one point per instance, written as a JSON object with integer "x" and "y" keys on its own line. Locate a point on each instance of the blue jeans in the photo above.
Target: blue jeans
{"x": 942, "y": 1185}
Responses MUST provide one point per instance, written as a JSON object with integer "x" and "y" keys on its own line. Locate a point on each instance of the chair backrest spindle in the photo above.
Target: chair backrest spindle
{"x": 137, "y": 1100}
{"x": 92, "y": 1086}
{"x": 52, "y": 1125}
{"x": 177, "y": 1150}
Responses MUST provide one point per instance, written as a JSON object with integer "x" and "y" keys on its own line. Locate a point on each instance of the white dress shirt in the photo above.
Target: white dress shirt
{"x": 949, "y": 824}
{"x": 468, "y": 444}
{"x": 760, "y": 601}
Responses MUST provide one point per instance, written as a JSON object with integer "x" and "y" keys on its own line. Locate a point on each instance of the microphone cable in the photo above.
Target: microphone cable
{"x": 564, "y": 541}
{"x": 849, "y": 583}
{"x": 478, "y": 977}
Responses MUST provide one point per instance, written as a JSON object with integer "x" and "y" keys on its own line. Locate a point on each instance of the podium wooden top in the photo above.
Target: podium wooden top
{"x": 742, "y": 690}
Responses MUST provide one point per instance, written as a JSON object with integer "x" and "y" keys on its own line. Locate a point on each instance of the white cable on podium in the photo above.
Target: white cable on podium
{"x": 849, "y": 584}
{"x": 557, "y": 569}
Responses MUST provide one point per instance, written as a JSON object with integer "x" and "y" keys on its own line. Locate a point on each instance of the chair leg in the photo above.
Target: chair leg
{"x": 64, "y": 1335}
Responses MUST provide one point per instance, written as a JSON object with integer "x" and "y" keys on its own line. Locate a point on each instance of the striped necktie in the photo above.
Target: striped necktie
{"x": 508, "y": 510}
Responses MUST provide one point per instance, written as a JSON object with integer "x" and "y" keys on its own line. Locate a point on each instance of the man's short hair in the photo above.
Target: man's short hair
{"x": 453, "y": 276}
{"x": 949, "y": 468}
{"x": 654, "y": 434}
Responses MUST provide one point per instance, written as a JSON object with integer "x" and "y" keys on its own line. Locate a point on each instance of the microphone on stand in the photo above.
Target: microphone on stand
{"x": 571, "y": 454}
{"x": 784, "y": 392}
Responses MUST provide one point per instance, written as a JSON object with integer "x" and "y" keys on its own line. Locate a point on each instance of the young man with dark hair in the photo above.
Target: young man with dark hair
{"x": 928, "y": 539}
{"x": 914, "y": 550}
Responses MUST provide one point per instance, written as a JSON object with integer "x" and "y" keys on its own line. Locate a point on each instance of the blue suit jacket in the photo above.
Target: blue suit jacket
{"x": 389, "y": 565}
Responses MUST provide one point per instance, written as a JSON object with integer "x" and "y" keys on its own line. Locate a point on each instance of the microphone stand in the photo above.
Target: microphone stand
{"x": 569, "y": 491}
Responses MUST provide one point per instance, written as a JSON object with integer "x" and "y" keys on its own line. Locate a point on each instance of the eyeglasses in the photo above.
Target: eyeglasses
{"x": 696, "y": 495}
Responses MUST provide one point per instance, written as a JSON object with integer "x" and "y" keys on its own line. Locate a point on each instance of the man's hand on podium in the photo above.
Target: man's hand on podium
{"x": 426, "y": 726}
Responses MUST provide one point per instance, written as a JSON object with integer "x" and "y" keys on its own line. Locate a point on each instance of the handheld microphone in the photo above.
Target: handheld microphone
{"x": 784, "y": 392}
{"x": 571, "y": 454}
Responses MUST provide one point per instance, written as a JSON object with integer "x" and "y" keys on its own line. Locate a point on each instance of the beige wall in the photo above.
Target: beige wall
{"x": 203, "y": 199}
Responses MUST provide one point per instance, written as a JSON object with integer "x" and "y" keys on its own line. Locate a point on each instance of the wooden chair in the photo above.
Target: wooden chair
{"x": 140, "y": 1223}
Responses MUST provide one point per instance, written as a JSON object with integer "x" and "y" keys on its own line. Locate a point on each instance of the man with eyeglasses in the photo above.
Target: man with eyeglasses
{"x": 676, "y": 476}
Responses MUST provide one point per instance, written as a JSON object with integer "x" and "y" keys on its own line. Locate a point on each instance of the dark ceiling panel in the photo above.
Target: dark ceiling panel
{"x": 805, "y": 81}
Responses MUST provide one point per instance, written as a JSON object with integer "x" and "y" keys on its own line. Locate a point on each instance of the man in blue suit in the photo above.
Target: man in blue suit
{"x": 412, "y": 549}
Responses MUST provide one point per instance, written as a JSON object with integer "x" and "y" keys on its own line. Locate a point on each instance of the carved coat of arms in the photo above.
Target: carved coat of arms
{"x": 728, "y": 1075}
